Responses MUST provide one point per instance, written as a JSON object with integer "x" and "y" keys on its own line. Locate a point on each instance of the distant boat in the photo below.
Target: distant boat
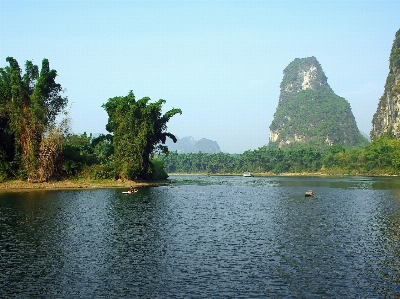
{"x": 130, "y": 192}
{"x": 309, "y": 193}
{"x": 247, "y": 174}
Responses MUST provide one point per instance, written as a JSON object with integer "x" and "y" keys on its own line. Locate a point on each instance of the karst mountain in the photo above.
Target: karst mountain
{"x": 386, "y": 118}
{"x": 309, "y": 112}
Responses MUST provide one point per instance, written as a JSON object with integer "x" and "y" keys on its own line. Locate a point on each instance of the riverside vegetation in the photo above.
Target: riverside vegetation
{"x": 381, "y": 157}
{"x": 37, "y": 146}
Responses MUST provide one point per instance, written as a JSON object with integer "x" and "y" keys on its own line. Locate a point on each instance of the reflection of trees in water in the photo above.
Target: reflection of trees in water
{"x": 30, "y": 232}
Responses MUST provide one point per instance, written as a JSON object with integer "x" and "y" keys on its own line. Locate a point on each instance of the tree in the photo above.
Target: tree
{"x": 77, "y": 153}
{"x": 102, "y": 148}
{"x": 29, "y": 106}
{"x": 139, "y": 130}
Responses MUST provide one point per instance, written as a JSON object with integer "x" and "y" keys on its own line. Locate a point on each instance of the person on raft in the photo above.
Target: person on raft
{"x": 309, "y": 193}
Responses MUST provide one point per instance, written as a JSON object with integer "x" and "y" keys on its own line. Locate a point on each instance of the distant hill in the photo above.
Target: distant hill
{"x": 366, "y": 136}
{"x": 187, "y": 145}
{"x": 387, "y": 116}
{"x": 309, "y": 112}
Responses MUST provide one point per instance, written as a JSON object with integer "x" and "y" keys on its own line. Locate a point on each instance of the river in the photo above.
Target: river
{"x": 205, "y": 237}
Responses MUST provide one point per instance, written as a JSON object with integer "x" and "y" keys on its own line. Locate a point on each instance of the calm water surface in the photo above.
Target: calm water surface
{"x": 205, "y": 237}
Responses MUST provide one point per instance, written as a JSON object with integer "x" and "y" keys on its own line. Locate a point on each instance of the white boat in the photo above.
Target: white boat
{"x": 247, "y": 174}
{"x": 309, "y": 193}
{"x": 129, "y": 192}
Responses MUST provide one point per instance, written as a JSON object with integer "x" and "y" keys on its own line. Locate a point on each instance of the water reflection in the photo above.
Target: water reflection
{"x": 321, "y": 240}
{"x": 385, "y": 259}
{"x": 28, "y": 241}
{"x": 227, "y": 237}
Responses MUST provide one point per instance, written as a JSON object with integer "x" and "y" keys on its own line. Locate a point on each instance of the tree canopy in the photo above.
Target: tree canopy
{"x": 29, "y": 106}
{"x": 139, "y": 131}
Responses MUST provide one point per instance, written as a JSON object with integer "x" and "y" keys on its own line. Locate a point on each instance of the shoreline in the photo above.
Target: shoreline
{"x": 299, "y": 174}
{"x": 18, "y": 185}
{"x": 266, "y": 174}
{"x": 76, "y": 184}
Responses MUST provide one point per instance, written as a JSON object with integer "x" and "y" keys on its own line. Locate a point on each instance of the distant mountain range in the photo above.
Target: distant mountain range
{"x": 188, "y": 144}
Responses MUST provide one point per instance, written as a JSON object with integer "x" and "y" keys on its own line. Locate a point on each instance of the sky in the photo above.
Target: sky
{"x": 221, "y": 62}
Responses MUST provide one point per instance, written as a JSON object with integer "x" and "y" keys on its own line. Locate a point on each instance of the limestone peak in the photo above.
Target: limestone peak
{"x": 309, "y": 112}
{"x": 387, "y": 116}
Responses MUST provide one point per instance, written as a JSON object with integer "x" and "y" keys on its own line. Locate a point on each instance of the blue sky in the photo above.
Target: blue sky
{"x": 221, "y": 62}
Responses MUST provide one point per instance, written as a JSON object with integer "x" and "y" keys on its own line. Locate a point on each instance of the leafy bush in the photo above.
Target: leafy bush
{"x": 158, "y": 172}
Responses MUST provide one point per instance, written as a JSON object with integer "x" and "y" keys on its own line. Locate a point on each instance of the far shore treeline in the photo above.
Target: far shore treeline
{"x": 381, "y": 157}
{"x": 36, "y": 143}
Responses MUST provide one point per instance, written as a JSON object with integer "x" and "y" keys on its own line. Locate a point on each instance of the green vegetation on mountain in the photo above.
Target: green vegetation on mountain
{"x": 386, "y": 119}
{"x": 318, "y": 115}
{"x": 309, "y": 112}
{"x": 395, "y": 53}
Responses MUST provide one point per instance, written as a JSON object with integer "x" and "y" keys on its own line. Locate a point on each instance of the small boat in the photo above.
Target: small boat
{"x": 129, "y": 192}
{"x": 247, "y": 174}
{"x": 309, "y": 193}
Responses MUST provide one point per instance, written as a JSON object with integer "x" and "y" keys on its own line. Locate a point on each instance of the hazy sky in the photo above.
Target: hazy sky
{"x": 221, "y": 62}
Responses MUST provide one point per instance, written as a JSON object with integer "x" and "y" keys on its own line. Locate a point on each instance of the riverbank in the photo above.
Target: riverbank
{"x": 77, "y": 184}
{"x": 257, "y": 174}
{"x": 304, "y": 174}
{"x": 15, "y": 185}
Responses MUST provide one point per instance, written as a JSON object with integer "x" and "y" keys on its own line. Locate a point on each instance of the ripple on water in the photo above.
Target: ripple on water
{"x": 218, "y": 238}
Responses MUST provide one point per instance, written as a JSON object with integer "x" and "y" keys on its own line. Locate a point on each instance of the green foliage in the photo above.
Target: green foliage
{"x": 199, "y": 163}
{"x": 264, "y": 159}
{"x": 395, "y": 52}
{"x": 30, "y": 102}
{"x": 383, "y": 155}
{"x": 158, "y": 170}
{"x": 387, "y": 115}
{"x": 314, "y": 116}
{"x": 102, "y": 148}
{"x": 139, "y": 130}
{"x": 317, "y": 116}
{"x": 109, "y": 170}
{"x": 380, "y": 157}
{"x": 77, "y": 153}
{"x": 84, "y": 156}
{"x": 330, "y": 158}
{"x": 29, "y": 105}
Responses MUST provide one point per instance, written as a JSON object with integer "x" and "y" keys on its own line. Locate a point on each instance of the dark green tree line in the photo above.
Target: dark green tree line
{"x": 380, "y": 157}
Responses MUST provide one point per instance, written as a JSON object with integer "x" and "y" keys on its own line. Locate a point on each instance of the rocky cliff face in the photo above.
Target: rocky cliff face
{"x": 309, "y": 111}
{"x": 386, "y": 118}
